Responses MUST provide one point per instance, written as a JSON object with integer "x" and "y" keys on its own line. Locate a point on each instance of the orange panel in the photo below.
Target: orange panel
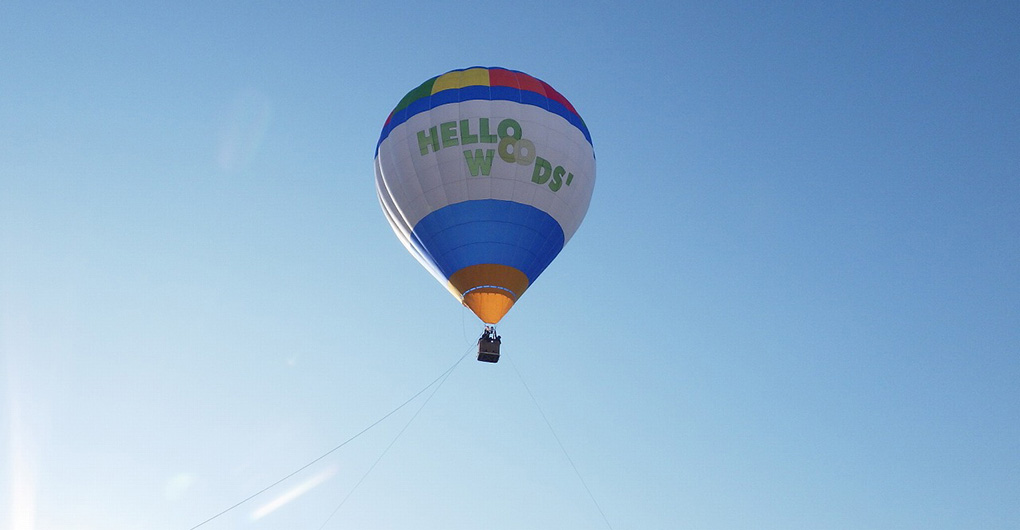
{"x": 490, "y": 275}
{"x": 489, "y": 290}
{"x": 489, "y": 304}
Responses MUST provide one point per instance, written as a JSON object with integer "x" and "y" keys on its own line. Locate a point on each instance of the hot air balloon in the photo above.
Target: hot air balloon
{"x": 484, "y": 175}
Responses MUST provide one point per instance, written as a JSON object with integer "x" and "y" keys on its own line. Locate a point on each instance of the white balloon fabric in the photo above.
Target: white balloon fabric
{"x": 484, "y": 174}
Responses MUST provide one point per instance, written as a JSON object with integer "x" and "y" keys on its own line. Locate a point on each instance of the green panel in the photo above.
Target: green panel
{"x": 424, "y": 89}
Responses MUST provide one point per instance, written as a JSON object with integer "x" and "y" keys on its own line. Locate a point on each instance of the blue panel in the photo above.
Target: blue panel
{"x": 534, "y": 98}
{"x": 443, "y": 97}
{"x": 490, "y": 231}
{"x": 469, "y": 93}
{"x": 507, "y": 93}
{"x": 416, "y": 107}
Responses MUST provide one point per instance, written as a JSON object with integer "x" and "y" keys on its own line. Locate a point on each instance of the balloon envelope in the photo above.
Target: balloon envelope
{"x": 484, "y": 175}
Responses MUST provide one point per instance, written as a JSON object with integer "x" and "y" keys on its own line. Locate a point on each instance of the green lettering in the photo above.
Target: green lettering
{"x": 542, "y": 170}
{"x": 525, "y": 152}
{"x": 506, "y": 124}
{"x": 478, "y": 163}
{"x": 483, "y": 131}
{"x": 425, "y": 140}
{"x": 465, "y": 134}
{"x": 570, "y": 176}
{"x": 504, "y": 149}
{"x": 448, "y": 131}
{"x": 557, "y": 178}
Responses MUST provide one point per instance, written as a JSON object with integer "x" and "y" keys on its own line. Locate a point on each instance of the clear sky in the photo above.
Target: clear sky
{"x": 794, "y": 303}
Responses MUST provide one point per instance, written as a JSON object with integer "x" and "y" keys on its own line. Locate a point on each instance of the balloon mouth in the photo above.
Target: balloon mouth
{"x": 507, "y": 291}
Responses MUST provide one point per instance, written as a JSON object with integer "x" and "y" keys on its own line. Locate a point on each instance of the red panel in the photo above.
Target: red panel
{"x": 552, "y": 94}
{"x": 526, "y": 82}
{"x": 502, "y": 77}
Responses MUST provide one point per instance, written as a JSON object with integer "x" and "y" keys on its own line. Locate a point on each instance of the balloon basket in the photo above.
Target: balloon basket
{"x": 488, "y": 346}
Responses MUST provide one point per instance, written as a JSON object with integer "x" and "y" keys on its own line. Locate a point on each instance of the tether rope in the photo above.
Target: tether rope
{"x": 442, "y": 376}
{"x": 445, "y": 376}
{"x": 562, "y": 447}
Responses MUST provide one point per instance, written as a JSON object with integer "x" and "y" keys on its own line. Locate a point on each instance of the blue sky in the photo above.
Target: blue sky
{"x": 794, "y": 303}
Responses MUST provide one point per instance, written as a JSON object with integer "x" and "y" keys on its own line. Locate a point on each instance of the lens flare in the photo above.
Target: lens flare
{"x": 22, "y": 465}
{"x": 293, "y": 493}
{"x": 243, "y": 131}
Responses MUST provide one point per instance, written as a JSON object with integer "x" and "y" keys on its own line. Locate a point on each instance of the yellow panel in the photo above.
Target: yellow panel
{"x": 473, "y": 76}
